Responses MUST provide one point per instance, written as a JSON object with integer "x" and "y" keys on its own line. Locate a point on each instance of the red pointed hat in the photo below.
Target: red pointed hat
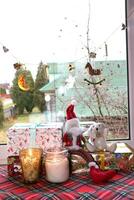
{"x": 70, "y": 111}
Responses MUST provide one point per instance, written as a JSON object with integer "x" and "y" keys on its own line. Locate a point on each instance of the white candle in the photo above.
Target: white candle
{"x": 57, "y": 169}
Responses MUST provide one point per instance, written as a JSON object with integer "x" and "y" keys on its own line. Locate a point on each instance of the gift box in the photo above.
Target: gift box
{"x": 14, "y": 166}
{"x": 19, "y": 137}
{"x": 24, "y": 135}
{"x": 49, "y": 136}
{"x": 79, "y": 160}
{"x": 121, "y": 159}
{"x": 78, "y": 164}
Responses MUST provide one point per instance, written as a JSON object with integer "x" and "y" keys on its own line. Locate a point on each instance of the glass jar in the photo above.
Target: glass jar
{"x": 30, "y": 162}
{"x": 57, "y": 165}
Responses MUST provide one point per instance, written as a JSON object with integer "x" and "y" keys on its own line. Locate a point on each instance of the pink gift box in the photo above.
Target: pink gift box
{"x": 48, "y": 137}
{"x": 18, "y": 138}
{"x": 24, "y": 135}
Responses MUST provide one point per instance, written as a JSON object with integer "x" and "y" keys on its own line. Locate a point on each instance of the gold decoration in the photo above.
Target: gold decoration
{"x": 22, "y": 83}
{"x": 31, "y": 162}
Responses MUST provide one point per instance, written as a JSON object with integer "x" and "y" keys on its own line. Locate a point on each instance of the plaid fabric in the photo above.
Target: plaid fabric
{"x": 78, "y": 187}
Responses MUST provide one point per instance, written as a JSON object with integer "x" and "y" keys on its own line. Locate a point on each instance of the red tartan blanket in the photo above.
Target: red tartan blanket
{"x": 78, "y": 187}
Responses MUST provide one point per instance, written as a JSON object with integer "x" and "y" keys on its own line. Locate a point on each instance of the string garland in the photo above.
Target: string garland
{"x": 6, "y": 50}
{"x": 122, "y": 26}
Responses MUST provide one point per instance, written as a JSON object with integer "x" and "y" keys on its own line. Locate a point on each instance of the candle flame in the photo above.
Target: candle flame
{"x": 30, "y": 152}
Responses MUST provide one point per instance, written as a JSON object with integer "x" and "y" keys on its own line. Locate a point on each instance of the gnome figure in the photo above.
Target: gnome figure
{"x": 72, "y": 126}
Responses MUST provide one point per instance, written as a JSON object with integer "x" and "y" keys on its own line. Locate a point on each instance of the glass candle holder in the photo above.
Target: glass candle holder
{"x": 57, "y": 165}
{"x": 30, "y": 162}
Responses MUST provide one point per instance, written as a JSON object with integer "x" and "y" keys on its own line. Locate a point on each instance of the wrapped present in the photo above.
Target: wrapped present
{"x": 121, "y": 159}
{"x": 14, "y": 166}
{"x": 131, "y": 163}
{"x": 49, "y": 136}
{"x": 20, "y": 136}
{"x": 79, "y": 160}
{"x": 124, "y": 157}
{"x": 78, "y": 164}
{"x": 24, "y": 135}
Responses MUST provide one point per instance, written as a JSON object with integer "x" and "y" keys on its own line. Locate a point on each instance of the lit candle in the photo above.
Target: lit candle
{"x": 30, "y": 162}
{"x": 57, "y": 167}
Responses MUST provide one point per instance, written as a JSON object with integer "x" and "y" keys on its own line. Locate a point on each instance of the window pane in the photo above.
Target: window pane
{"x": 84, "y": 46}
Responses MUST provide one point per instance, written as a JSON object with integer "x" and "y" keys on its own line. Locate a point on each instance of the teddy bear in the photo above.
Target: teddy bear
{"x": 97, "y": 140}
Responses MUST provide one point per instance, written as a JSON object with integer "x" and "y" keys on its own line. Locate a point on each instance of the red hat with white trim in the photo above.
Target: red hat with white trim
{"x": 70, "y": 111}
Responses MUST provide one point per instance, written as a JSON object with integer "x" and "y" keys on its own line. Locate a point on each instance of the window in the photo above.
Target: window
{"x": 73, "y": 51}
{"x": 130, "y": 31}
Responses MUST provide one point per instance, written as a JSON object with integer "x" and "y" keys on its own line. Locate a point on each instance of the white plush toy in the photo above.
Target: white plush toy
{"x": 97, "y": 140}
{"x": 72, "y": 125}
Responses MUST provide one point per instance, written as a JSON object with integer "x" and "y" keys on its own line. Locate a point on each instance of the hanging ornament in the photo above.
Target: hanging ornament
{"x": 92, "y": 71}
{"x": 70, "y": 82}
{"x": 94, "y": 83}
{"x": 22, "y": 83}
{"x": 17, "y": 66}
{"x": 70, "y": 67}
{"x": 123, "y": 26}
{"x": 92, "y": 55}
{"x": 5, "y": 49}
{"x": 106, "y": 49}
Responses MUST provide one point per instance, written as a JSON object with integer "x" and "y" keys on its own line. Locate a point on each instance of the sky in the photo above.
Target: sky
{"x": 55, "y": 31}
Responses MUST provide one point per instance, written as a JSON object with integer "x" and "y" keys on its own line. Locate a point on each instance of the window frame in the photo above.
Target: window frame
{"x": 129, "y": 6}
{"x": 130, "y": 60}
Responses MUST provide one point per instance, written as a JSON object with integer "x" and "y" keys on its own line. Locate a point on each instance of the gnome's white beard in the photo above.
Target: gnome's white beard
{"x": 72, "y": 123}
{"x": 72, "y": 126}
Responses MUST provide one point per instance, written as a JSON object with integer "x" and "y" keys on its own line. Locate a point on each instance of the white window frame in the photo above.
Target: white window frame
{"x": 130, "y": 52}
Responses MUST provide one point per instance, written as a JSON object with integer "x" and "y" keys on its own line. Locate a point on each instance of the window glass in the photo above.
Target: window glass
{"x": 67, "y": 50}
